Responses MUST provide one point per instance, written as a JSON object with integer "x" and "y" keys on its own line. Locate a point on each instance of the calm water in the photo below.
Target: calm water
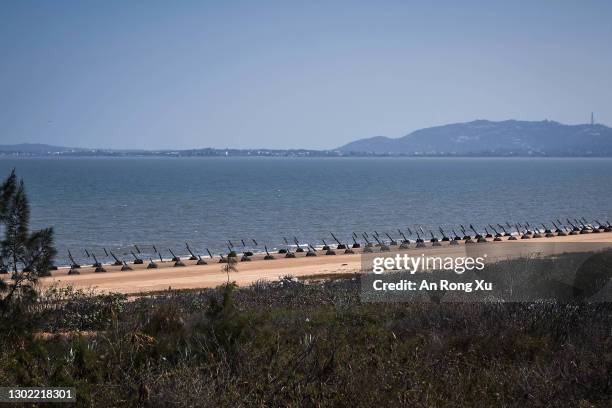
{"x": 114, "y": 203}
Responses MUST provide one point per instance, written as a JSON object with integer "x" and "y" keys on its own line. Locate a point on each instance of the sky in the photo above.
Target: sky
{"x": 310, "y": 74}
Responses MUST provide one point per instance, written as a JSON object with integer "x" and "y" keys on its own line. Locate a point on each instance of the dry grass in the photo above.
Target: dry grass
{"x": 291, "y": 344}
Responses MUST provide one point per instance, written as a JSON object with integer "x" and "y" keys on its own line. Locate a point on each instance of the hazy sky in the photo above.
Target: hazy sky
{"x": 182, "y": 74}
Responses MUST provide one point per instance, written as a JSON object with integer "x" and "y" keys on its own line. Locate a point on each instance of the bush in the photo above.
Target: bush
{"x": 69, "y": 309}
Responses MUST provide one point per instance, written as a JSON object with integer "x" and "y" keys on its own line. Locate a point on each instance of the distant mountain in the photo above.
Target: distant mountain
{"x": 487, "y": 138}
{"x": 34, "y": 148}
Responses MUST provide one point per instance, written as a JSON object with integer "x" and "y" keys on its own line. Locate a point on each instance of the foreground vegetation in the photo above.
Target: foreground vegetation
{"x": 292, "y": 344}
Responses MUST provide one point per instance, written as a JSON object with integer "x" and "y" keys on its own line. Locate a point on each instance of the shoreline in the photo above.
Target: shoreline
{"x": 192, "y": 276}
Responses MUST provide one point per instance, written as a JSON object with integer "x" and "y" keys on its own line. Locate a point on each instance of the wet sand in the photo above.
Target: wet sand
{"x": 202, "y": 276}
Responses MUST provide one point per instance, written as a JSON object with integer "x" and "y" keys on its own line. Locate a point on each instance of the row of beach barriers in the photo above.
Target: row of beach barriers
{"x": 376, "y": 242}
{"x": 369, "y": 242}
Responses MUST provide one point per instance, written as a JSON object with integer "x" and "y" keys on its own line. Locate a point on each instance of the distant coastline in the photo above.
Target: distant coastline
{"x": 297, "y": 153}
{"x": 478, "y": 138}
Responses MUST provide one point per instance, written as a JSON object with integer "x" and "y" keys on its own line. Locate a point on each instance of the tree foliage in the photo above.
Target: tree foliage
{"x": 25, "y": 255}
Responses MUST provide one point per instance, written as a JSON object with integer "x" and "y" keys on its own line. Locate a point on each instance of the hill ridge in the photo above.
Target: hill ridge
{"x": 491, "y": 138}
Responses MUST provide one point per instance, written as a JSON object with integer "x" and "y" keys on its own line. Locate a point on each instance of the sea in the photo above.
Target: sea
{"x": 151, "y": 206}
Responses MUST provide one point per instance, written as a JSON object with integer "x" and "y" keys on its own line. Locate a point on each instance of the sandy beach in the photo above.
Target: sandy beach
{"x": 141, "y": 279}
